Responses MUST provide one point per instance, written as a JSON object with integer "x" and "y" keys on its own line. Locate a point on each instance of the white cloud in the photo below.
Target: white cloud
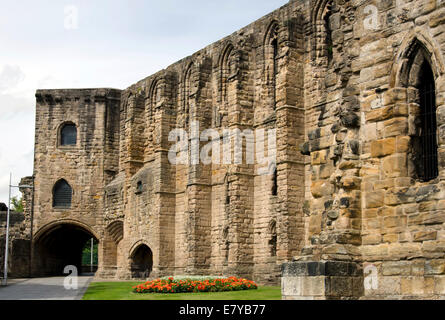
{"x": 10, "y": 77}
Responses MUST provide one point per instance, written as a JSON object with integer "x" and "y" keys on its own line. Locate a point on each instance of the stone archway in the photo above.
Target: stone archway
{"x": 114, "y": 233}
{"x": 141, "y": 262}
{"x": 59, "y": 245}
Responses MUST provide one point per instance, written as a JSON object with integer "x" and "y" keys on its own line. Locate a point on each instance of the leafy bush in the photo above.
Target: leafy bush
{"x": 172, "y": 285}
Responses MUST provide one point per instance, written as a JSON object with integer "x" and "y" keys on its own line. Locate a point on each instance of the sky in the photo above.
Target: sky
{"x": 53, "y": 44}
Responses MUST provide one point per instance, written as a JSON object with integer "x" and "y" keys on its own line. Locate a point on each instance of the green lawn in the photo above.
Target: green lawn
{"x": 123, "y": 291}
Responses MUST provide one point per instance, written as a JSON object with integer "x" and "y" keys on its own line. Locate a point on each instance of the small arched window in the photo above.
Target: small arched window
{"x": 226, "y": 71}
{"x": 275, "y": 183}
{"x": 328, "y": 34}
{"x": 227, "y": 192}
{"x": 187, "y": 88}
{"x": 139, "y": 187}
{"x": 271, "y": 61}
{"x": 68, "y": 135}
{"x": 275, "y": 71}
{"x": 62, "y": 194}
{"x": 273, "y": 238}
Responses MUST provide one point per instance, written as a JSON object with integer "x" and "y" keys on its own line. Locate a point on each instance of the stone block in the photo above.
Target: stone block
{"x": 424, "y": 236}
{"x": 395, "y": 127}
{"x": 374, "y": 199}
{"x": 395, "y": 166}
{"x": 381, "y": 148}
{"x": 321, "y": 188}
{"x": 435, "y": 267}
{"x": 319, "y": 157}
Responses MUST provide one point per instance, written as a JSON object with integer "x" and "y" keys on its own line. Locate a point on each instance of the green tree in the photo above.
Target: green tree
{"x": 17, "y": 204}
{"x": 86, "y": 253}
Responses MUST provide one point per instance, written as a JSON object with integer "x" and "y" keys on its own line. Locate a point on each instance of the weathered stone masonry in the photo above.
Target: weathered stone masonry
{"x": 340, "y": 82}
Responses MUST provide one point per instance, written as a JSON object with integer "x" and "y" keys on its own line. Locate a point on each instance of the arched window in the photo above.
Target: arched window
{"x": 275, "y": 183}
{"x": 187, "y": 88}
{"x": 62, "y": 194}
{"x": 227, "y": 191}
{"x": 328, "y": 34}
{"x": 68, "y": 135}
{"x": 155, "y": 96}
{"x": 275, "y": 70}
{"x": 187, "y": 92}
{"x": 425, "y": 142}
{"x": 227, "y": 70}
{"x": 271, "y": 62}
{"x": 139, "y": 187}
{"x": 273, "y": 238}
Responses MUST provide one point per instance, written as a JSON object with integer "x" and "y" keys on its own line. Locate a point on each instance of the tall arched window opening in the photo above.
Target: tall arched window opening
{"x": 271, "y": 62}
{"x": 275, "y": 183}
{"x": 328, "y": 34}
{"x": 187, "y": 92}
{"x": 425, "y": 142}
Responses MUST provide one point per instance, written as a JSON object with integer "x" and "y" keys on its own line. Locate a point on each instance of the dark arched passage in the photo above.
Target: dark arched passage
{"x": 58, "y": 247}
{"x": 141, "y": 262}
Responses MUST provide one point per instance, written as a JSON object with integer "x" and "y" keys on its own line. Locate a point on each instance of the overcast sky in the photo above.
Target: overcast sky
{"x": 96, "y": 43}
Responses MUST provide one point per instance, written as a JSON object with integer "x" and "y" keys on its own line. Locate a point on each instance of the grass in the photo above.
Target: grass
{"x": 123, "y": 291}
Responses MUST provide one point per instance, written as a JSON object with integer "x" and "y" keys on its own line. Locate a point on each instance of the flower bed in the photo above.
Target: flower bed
{"x": 171, "y": 285}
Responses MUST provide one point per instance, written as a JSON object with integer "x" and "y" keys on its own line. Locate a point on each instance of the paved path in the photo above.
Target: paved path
{"x": 43, "y": 289}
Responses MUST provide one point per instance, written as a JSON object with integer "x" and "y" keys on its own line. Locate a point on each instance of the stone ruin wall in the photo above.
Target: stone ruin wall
{"x": 367, "y": 214}
{"x": 217, "y": 219}
{"x": 19, "y": 235}
{"x": 352, "y": 202}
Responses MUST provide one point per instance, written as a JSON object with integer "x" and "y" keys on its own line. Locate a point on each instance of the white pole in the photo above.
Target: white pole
{"x": 91, "y": 260}
{"x": 5, "y": 275}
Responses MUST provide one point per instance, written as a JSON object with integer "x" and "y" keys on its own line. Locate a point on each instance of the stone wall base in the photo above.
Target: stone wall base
{"x": 326, "y": 280}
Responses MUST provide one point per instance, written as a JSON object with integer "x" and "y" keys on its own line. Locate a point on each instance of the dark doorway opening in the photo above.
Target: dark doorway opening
{"x": 141, "y": 262}
{"x": 59, "y": 247}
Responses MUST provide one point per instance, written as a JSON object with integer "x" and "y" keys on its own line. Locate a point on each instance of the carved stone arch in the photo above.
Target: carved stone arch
{"x": 319, "y": 10}
{"x": 114, "y": 233}
{"x": 187, "y": 86}
{"x": 416, "y": 46}
{"x": 116, "y": 230}
{"x": 271, "y": 47}
{"x": 58, "y": 244}
{"x": 137, "y": 244}
{"x": 320, "y": 30}
{"x": 155, "y": 94}
{"x": 125, "y": 101}
{"x": 60, "y": 222}
{"x": 272, "y": 32}
{"x": 417, "y": 71}
{"x": 225, "y": 70}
